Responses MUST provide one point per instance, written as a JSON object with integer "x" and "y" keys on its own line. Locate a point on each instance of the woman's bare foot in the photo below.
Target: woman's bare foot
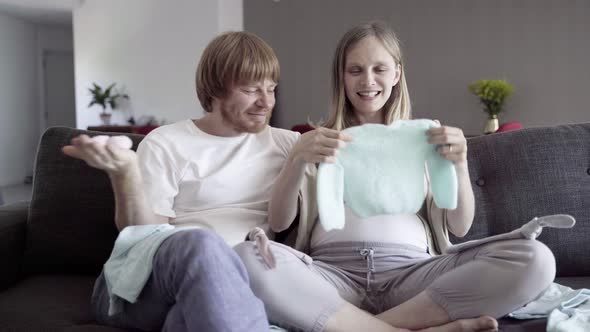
{"x": 481, "y": 324}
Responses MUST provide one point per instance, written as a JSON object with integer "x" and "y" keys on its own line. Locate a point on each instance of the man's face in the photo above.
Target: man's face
{"x": 248, "y": 107}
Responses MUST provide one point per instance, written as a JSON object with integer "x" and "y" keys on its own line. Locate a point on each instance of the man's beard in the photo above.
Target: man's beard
{"x": 240, "y": 125}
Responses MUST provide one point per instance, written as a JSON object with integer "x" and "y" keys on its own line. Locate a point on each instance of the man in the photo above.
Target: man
{"x": 215, "y": 172}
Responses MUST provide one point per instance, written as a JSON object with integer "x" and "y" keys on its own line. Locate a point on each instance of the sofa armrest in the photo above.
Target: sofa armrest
{"x": 13, "y": 222}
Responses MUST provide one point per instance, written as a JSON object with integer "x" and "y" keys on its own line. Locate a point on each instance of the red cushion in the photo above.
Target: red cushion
{"x": 302, "y": 128}
{"x": 509, "y": 126}
{"x": 144, "y": 130}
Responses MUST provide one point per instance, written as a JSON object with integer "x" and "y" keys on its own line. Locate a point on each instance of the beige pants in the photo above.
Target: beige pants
{"x": 302, "y": 291}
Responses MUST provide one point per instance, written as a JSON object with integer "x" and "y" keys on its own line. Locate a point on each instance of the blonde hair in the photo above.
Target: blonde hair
{"x": 397, "y": 107}
{"x": 233, "y": 57}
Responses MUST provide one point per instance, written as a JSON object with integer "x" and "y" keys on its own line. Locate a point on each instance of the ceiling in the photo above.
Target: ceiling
{"x": 41, "y": 11}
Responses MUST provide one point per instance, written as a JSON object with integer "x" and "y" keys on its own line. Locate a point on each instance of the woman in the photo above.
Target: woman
{"x": 388, "y": 265}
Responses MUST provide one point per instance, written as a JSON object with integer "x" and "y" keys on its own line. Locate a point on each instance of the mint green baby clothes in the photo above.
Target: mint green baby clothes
{"x": 382, "y": 172}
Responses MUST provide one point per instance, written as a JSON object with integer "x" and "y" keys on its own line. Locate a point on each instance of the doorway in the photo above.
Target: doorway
{"x": 59, "y": 103}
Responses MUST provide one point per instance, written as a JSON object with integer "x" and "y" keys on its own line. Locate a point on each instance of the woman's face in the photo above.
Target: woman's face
{"x": 370, "y": 73}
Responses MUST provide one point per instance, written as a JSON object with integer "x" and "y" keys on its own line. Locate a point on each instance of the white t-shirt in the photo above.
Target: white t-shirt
{"x": 219, "y": 183}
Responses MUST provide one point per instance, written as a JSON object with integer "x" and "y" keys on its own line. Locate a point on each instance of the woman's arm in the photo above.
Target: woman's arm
{"x": 319, "y": 145}
{"x": 460, "y": 219}
{"x": 454, "y": 148}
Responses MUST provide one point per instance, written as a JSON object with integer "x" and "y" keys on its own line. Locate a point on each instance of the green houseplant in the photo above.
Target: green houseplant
{"x": 105, "y": 98}
{"x": 492, "y": 94}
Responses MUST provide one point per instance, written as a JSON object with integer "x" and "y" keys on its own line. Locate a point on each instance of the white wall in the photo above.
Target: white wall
{"x": 150, "y": 48}
{"x": 541, "y": 46}
{"x": 19, "y": 118}
{"x": 231, "y": 15}
{"x": 21, "y": 47}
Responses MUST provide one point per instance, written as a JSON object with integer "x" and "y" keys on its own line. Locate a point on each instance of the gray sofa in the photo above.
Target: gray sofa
{"x": 53, "y": 248}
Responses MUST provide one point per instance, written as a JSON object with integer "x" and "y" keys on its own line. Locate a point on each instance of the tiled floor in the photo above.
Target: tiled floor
{"x": 15, "y": 193}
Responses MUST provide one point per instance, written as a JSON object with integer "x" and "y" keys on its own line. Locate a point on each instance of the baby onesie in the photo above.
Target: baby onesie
{"x": 382, "y": 172}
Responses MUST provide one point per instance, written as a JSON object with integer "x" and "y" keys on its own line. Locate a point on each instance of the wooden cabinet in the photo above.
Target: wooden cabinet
{"x": 143, "y": 130}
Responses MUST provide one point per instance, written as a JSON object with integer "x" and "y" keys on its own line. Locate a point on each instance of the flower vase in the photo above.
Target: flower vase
{"x": 491, "y": 125}
{"x": 105, "y": 118}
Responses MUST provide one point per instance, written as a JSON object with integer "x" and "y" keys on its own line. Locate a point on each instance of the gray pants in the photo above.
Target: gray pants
{"x": 197, "y": 284}
{"x": 303, "y": 291}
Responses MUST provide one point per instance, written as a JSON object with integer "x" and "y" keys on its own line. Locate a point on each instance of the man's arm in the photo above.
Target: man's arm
{"x": 131, "y": 206}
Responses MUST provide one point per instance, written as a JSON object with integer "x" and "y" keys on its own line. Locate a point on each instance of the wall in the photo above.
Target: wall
{"x": 21, "y": 122}
{"x": 540, "y": 46}
{"x": 231, "y": 15}
{"x": 18, "y": 99}
{"x": 150, "y": 48}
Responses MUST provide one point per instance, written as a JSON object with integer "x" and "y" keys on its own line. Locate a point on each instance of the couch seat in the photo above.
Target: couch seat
{"x": 49, "y": 303}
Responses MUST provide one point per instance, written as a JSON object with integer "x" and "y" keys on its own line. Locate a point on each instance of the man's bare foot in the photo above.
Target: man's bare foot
{"x": 481, "y": 324}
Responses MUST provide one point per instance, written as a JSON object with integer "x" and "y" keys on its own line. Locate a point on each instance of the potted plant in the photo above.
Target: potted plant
{"x": 105, "y": 98}
{"x": 492, "y": 94}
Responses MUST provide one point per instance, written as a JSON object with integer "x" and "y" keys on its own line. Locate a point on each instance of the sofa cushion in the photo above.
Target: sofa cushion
{"x": 574, "y": 282}
{"x": 521, "y": 174}
{"x": 91, "y": 328}
{"x": 49, "y": 303}
{"x": 13, "y": 223}
{"x": 71, "y": 224}
{"x": 517, "y": 325}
